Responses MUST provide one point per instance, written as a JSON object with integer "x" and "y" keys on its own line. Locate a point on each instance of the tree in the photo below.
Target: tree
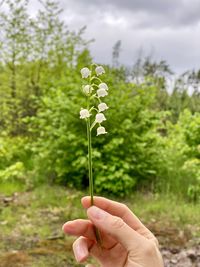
{"x": 33, "y": 53}
{"x": 15, "y": 47}
{"x": 116, "y": 54}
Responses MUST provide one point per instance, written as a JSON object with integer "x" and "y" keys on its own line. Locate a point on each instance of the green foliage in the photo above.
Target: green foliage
{"x": 32, "y": 52}
{"x": 15, "y": 160}
{"x": 153, "y": 136}
{"x": 12, "y": 150}
{"x": 13, "y": 172}
{"x": 192, "y": 168}
{"x": 122, "y": 159}
{"x": 191, "y": 126}
{"x": 179, "y": 156}
{"x": 9, "y": 188}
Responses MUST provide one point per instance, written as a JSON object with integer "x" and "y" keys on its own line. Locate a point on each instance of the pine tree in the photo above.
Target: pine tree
{"x": 15, "y": 47}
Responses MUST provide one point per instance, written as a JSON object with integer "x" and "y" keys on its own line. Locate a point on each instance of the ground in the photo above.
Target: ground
{"x": 31, "y": 222}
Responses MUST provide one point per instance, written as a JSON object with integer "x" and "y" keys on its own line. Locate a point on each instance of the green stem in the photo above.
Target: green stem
{"x": 91, "y": 183}
{"x": 95, "y": 78}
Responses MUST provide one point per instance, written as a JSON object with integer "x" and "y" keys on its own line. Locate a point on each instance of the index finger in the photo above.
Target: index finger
{"x": 119, "y": 210}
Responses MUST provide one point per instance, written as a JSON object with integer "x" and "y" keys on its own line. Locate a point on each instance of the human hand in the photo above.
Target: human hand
{"x": 125, "y": 240}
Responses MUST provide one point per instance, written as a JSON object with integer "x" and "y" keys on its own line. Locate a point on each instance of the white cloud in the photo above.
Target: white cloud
{"x": 170, "y": 29}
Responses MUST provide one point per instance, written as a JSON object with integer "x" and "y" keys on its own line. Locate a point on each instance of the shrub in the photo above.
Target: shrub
{"x": 123, "y": 159}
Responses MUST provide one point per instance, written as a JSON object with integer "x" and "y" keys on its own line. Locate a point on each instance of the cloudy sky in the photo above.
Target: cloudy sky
{"x": 164, "y": 29}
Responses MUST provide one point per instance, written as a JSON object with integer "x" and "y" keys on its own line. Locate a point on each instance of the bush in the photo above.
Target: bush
{"x": 122, "y": 159}
{"x": 15, "y": 172}
{"x": 15, "y": 160}
{"x": 179, "y": 156}
{"x": 14, "y": 149}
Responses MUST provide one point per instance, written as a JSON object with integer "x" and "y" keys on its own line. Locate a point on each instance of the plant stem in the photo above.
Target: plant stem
{"x": 91, "y": 182}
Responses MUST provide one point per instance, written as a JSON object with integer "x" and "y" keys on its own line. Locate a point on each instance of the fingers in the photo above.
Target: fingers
{"x": 80, "y": 227}
{"x": 86, "y": 228}
{"x": 119, "y": 210}
{"x": 114, "y": 208}
{"x": 116, "y": 228}
{"x": 81, "y": 248}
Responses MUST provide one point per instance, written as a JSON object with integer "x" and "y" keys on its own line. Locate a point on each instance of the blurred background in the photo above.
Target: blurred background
{"x": 150, "y": 158}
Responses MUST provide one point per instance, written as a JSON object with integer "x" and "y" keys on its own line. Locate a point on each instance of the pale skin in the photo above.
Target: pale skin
{"x": 125, "y": 241}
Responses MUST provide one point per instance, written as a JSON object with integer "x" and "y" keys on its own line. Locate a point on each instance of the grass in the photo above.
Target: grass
{"x": 8, "y": 188}
{"x": 165, "y": 208}
{"x": 31, "y": 222}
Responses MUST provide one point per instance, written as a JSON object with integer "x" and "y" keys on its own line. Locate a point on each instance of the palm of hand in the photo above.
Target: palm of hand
{"x": 115, "y": 256}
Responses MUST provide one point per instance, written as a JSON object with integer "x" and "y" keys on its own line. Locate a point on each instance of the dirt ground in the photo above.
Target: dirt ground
{"x": 32, "y": 237}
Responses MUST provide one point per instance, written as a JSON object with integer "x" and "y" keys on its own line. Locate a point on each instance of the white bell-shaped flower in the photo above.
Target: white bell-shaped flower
{"x": 84, "y": 113}
{"x": 99, "y": 70}
{"x": 103, "y": 86}
{"x": 102, "y": 107}
{"x": 85, "y": 72}
{"x": 101, "y": 92}
{"x": 100, "y": 118}
{"x": 101, "y": 130}
{"x": 87, "y": 89}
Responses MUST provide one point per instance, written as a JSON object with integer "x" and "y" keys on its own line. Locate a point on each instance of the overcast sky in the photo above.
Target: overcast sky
{"x": 165, "y": 29}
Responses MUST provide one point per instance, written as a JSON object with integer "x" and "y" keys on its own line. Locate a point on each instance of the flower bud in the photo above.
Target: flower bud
{"x": 85, "y": 72}
{"x": 102, "y": 107}
{"x": 101, "y": 92}
{"x": 103, "y": 86}
{"x": 87, "y": 89}
{"x": 99, "y": 70}
{"x": 101, "y": 130}
{"x": 100, "y": 118}
{"x": 84, "y": 113}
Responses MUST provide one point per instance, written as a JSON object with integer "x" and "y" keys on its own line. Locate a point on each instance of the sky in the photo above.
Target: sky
{"x": 163, "y": 29}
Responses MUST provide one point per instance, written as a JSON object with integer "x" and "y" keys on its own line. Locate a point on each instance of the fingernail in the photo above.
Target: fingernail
{"x": 97, "y": 213}
{"x": 67, "y": 227}
{"x": 81, "y": 252}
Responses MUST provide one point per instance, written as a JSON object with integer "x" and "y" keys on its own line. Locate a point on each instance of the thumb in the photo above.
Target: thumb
{"x": 116, "y": 228}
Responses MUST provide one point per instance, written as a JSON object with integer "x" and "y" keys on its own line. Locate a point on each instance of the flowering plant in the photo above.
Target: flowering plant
{"x": 94, "y": 91}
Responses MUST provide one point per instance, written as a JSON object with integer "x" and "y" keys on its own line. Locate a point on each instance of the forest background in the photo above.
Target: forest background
{"x": 153, "y": 122}
{"x": 154, "y": 133}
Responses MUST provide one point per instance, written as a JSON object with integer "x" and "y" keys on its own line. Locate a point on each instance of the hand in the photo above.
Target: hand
{"x": 125, "y": 240}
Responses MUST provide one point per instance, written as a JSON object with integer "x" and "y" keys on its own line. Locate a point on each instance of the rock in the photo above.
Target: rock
{"x": 185, "y": 257}
{"x": 7, "y": 200}
{"x": 184, "y": 262}
{"x": 4, "y": 222}
{"x": 191, "y": 253}
{"x": 174, "y": 261}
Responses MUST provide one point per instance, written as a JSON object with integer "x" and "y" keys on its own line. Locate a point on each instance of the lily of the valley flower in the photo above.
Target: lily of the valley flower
{"x": 102, "y": 107}
{"x": 101, "y": 130}
{"x": 87, "y": 89}
{"x": 92, "y": 101}
{"x": 101, "y": 92}
{"x": 103, "y": 86}
{"x": 84, "y": 113}
{"x": 99, "y": 70}
{"x": 85, "y": 72}
{"x": 100, "y": 118}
